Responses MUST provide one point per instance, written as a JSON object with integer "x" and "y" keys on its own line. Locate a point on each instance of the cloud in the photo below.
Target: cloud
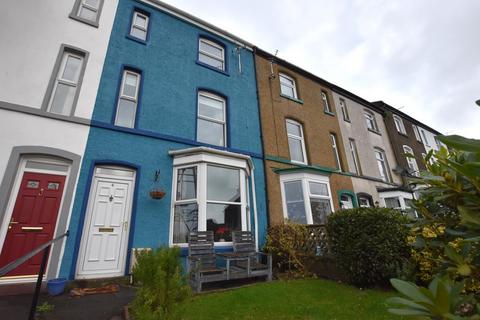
{"x": 422, "y": 56}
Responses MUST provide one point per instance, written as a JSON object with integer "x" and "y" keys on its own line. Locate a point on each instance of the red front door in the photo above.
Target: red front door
{"x": 33, "y": 220}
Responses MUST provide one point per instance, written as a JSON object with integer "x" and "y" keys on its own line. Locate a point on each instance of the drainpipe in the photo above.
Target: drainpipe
{"x": 254, "y": 199}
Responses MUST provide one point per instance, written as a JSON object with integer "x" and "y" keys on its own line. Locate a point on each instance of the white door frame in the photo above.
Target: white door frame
{"x": 89, "y": 213}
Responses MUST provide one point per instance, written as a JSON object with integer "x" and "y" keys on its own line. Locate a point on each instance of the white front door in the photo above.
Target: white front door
{"x": 105, "y": 235}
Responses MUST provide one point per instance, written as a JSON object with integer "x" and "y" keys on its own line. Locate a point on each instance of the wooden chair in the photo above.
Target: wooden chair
{"x": 202, "y": 262}
{"x": 260, "y": 263}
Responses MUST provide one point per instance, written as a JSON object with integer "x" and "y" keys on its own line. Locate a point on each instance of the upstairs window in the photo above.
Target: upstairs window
{"x": 296, "y": 142}
{"x": 211, "y": 53}
{"x": 417, "y": 133}
{"x": 211, "y": 120}
{"x": 128, "y": 99}
{"x": 139, "y": 28}
{"x": 425, "y": 139}
{"x": 87, "y": 11}
{"x": 382, "y": 165}
{"x": 287, "y": 86}
{"x": 326, "y": 105}
{"x": 336, "y": 154}
{"x": 364, "y": 201}
{"x": 66, "y": 85}
{"x": 343, "y": 107}
{"x": 370, "y": 120}
{"x": 399, "y": 124}
{"x": 356, "y": 163}
{"x": 411, "y": 162}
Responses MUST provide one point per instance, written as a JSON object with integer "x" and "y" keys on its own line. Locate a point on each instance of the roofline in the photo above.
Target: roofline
{"x": 198, "y": 22}
{"x": 313, "y": 77}
{"x": 209, "y": 150}
{"x": 388, "y": 107}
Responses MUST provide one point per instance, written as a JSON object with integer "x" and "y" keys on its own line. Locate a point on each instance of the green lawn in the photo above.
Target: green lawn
{"x": 296, "y": 299}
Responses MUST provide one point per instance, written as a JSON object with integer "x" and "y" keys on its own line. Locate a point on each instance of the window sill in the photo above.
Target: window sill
{"x": 374, "y": 131}
{"x": 136, "y": 39}
{"x": 80, "y": 19}
{"x": 291, "y": 98}
{"x": 329, "y": 113}
{"x": 212, "y": 68}
{"x": 347, "y": 120}
{"x": 402, "y": 134}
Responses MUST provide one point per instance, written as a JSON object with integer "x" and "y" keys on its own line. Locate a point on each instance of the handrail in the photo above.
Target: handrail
{"x": 12, "y": 265}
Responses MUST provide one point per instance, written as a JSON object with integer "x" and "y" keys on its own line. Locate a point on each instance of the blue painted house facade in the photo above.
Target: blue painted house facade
{"x": 176, "y": 115}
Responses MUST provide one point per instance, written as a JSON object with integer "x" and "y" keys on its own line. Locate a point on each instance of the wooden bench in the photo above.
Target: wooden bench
{"x": 259, "y": 264}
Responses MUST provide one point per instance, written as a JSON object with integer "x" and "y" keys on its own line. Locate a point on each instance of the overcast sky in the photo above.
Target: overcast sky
{"x": 422, "y": 56}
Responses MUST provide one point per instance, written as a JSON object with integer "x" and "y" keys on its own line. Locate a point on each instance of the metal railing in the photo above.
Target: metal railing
{"x": 12, "y": 265}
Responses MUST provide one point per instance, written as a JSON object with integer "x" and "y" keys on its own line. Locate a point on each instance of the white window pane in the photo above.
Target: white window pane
{"x": 87, "y": 13}
{"x": 320, "y": 210}
{"x": 317, "y": 188}
{"x": 364, "y": 202}
{"x": 140, "y": 21}
{"x": 296, "y": 149}
{"x": 294, "y": 129}
{"x": 126, "y": 113}
{"x": 284, "y": 80}
{"x": 210, "y": 132}
{"x": 130, "y": 85}
{"x": 62, "y": 101}
{"x": 288, "y": 91}
{"x": 210, "y": 49}
{"x": 211, "y": 108}
{"x": 216, "y": 63}
{"x": 223, "y": 184}
{"x": 92, "y": 3}
{"x": 72, "y": 69}
{"x": 137, "y": 33}
{"x": 346, "y": 201}
{"x": 295, "y": 202}
{"x": 393, "y": 203}
{"x": 185, "y": 220}
{"x": 187, "y": 183}
{"x": 223, "y": 219}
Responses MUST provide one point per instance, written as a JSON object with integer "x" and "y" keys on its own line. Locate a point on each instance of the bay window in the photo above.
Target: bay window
{"x": 306, "y": 198}
{"x": 210, "y": 194}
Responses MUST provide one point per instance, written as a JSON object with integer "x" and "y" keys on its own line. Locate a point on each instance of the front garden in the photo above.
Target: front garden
{"x": 433, "y": 262}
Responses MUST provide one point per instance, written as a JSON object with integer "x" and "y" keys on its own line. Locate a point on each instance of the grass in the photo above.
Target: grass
{"x": 295, "y": 299}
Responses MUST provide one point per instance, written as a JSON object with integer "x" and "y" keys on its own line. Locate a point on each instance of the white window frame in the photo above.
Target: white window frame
{"x": 417, "y": 133}
{"x": 370, "y": 118}
{"x": 399, "y": 124}
{"x": 134, "y": 26}
{"x": 425, "y": 139}
{"x": 212, "y": 96}
{"x": 336, "y": 154}
{"x": 411, "y": 162}
{"x": 84, "y": 4}
{"x": 354, "y": 152}
{"x": 300, "y": 138}
{"x": 129, "y": 98}
{"x": 326, "y": 105}
{"x": 59, "y": 80}
{"x": 343, "y": 106}
{"x": 305, "y": 178}
{"x": 401, "y": 195}
{"x": 201, "y": 160}
{"x": 292, "y": 86}
{"x": 208, "y": 54}
{"x": 359, "y": 200}
{"x": 387, "y": 177}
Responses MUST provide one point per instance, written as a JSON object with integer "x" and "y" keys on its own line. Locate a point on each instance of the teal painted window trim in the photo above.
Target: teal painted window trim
{"x": 291, "y": 98}
{"x": 350, "y": 193}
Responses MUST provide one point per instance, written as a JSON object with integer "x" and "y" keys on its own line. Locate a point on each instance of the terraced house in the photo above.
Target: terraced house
{"x": 305, "y": 164}
{"x": 174, "y": 145}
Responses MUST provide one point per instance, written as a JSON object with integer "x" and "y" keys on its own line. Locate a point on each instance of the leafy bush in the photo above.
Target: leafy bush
{"x": 292, "y": 244}
{"x": 369, "y": 244}
{"x": 163, "y": 285}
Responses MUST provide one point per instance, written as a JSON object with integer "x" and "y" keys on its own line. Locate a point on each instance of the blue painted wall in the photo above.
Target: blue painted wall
{"x": 166, "y": 120}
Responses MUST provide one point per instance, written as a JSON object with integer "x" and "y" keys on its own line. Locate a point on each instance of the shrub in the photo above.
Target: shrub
{"x": 292, "y": 244}
{"x": 163, "y": 285}
{"x": 369, "y": 244}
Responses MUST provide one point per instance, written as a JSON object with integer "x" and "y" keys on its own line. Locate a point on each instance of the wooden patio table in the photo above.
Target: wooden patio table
{"x": 236, "y": 256}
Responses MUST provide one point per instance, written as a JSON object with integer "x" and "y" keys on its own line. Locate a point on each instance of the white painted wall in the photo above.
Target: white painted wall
{"x": 31, "y": 34}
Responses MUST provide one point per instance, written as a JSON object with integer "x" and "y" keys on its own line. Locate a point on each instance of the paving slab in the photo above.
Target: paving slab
{"x": 91, "y": 307}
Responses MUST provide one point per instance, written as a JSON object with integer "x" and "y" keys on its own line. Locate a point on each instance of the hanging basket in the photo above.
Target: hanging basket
{"x": 157, "y": 194}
